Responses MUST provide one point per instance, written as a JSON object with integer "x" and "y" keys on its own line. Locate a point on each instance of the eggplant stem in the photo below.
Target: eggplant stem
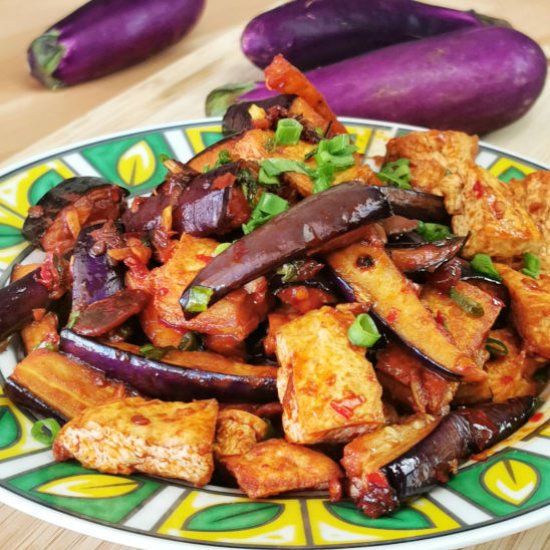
{"x": 45, "y": 55}
{"x": 220, "y": 99}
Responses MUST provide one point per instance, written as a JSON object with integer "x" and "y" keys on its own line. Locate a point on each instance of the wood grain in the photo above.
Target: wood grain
{"x": 171, "y": 87}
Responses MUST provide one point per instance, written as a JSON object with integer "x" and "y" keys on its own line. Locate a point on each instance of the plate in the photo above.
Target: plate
{"x": 508, "y": 492}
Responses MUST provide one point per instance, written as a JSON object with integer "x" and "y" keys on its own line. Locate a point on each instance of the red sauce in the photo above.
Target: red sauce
{"x": 478, "y": 190}
{"x": 346, "y": 406}
{"x": 140, "y": 420}
{"x": 393, "y": 315}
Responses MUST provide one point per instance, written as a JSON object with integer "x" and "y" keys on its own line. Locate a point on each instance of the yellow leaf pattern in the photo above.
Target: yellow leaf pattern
{"x": 137, "y": 164}
{"x": 89, "y": 486}
{"x": 511, "y": 480}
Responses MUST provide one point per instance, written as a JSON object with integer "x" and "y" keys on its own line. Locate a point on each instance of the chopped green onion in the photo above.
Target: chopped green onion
{"x": 532, "y": 265}
{"x": 288, "y": 132}
{"x": 363, "y": 331}
{"x": 483, "y": 264}
{"x": 319, "y": 132}
{"x": 73, "y": 317}
{"x": 432, "y": 232}
{"x": 396, "y": 173}
{"x": 156, "y": 353}
{"x": 189, "y": 342}
{"x": 206, "y": 168}
{"x": 265, "y": 179}
{"x": 277, "y": 166}
{"x": 337, "y": 151}
{"x": 496, "y": 347}
{"x": 199, "y": 297}
{"x": 269, "y": 206}
{"x": 44, "y": 431}
{"x": 220, "y": 248}
{"x": 465, "y": 303}
{"x": 223, "y": 158}
{"x": 324, "y": 176}
{"x": 289, "y": 271}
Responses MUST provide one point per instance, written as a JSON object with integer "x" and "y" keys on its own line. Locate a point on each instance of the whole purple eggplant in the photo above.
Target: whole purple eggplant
{"x": 104, "y": 36}
{"x": 313, "y": 33}
{"x": 475, "y": 80}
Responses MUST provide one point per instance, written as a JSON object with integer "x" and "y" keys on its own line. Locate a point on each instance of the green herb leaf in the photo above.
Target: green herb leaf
{"x": 288, "y": 131}
{"x": 432, "y": 232}
{"x": 269, "y": 206}
{"x": 396, "y": 173}
{"x": 249, "y": 185}
{"x": 324, "y": 176}
{"x": 220, "y": 248}
{"x": 471, "y": 307}
{"x": 288, "y": 272}
{"x": 189, "y": 342}
{"x": 223, "y": 158}
{"x": 73, "y": 317}
{"x": 496, "y": 347}
{"x": 45, "y": 431}
{"x": 199, "y": 298}
{"x": 483, "y": 264}
{"x": 532, "y": 265}
{"x": 156, "y": 353}
{"x": 363, "y": 331}
{"x": 269, "y": 145}
{"x": 277, "y": 166}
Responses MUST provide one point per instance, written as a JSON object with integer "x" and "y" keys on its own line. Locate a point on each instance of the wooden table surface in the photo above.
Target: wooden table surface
{"x": 171, "y": 87}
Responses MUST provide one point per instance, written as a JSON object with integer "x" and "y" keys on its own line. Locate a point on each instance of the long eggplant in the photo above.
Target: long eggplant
{"x": 95, "y": 275}
{"x": 312, "y": 34}
{"x": 174, "y": 382}
{"x": 434, "y": 459}
{"x": 315, "y": 220}
{"x": 450, "y": 90}
{"x": 104, "y": 36}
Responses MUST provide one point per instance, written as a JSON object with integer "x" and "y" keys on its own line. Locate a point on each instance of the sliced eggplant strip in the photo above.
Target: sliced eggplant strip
{"x": 373, "y": 277}
{"x": 425, "y": 257}
{"x": 171, "y": 382}
{"x": 416, "y": 205}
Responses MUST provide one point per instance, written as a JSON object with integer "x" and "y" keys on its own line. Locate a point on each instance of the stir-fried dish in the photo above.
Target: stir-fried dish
{"x": 281, "y": 315}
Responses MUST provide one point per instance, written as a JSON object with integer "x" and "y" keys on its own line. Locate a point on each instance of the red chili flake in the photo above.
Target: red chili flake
{"x": 345, "y": 406}
{"x": 507, "y": 380}
{"x": 225, "y": 180}
{"x": 203, "y": 258}
{"x": 440, "y": 318}
{"x": 537, "y": 417}
{"x": 393, "y": 315}
{"x": 140, "y": 420}
{"x": 478, "y": 190}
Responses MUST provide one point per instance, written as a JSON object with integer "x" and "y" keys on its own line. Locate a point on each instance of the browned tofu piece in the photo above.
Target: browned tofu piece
{"x": 41, "y": 333}
{"x": 276, "y": 466}
{"x": 533, "y": 193}
{"x": 154, "y": 437}
{"x": 530, "y": 308}
{"x": 468, "y": 332}
{"x": 510, "y": 375}
{"x": 327, "y": 387}
{"x": 237, "y": 431}
{"x": 497, "y": 223}
{"x": 439, "y": 161}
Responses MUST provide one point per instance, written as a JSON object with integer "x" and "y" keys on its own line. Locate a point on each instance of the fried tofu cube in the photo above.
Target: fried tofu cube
{"x": 497, "y": 223}
{"x": 533, "y": 193}
{"x": 530, "y": 308}
{"x": 277, "y": 466}
{"x": 154, "y": 437}
{"x": 237, "y": 431}
{"x": 439, "y": 161}
{"x": 327, "y": 387}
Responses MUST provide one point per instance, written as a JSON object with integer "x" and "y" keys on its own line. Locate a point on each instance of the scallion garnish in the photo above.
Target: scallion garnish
{"x": 73, "y": 317}
{"x": 483, "y": 264}
{"x": 396, "y": 173}
{"x": 199, "y": 298}
{"x": 44, "y": 431}
{"x": 269, "y": 205}
{"x": 288, "y": 131}
{"x": 432, "y": 232}
{"x": 531, "y": 265}
{"x": 189, "y": 342}
{"x": 363, "y": 331}
{"x": 223, "y": 158}
{"x": 152, "y": 352}
{"x": 221, "y": 248}
{"x": 496, "y": 347}
{"x": 465, "y": 303}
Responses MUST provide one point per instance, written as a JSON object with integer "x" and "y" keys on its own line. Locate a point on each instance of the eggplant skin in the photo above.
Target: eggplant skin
{"x": 481, "y": 79}
{"x": 315, "y": 33}
{"x": 104, "y": 36}
{"x": 460, "y": 434}
{"x": 168, "y": 382}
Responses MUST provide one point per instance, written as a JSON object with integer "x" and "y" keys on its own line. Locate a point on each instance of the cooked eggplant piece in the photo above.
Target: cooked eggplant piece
{"x": 95, "y": 275}
{"x": 195, "y": 375}
{"x": 55, "y": 221}
{"x": 426, "y": 256}
{"x": 51, "y": 383}
{"x": 212, "y": 204}
{"x": 42, "y": 332}
{"x": 374, "y": 278}
{"x": 416, "y": 205}
{"x": 209, "y": 156}
{"x": 316, "y": 219}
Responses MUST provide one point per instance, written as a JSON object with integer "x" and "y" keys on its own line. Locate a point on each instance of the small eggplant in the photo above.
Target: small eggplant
{"x": 425, "y": 256}
{"x": 176, "y": 382}
{"x": 58, "y": 216}
{"x": 95, "y": 275}
{"x": 315, "y": 220}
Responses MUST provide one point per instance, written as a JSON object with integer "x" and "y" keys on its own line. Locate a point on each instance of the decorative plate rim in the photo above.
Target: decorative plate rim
{"x": 468, "y": 534}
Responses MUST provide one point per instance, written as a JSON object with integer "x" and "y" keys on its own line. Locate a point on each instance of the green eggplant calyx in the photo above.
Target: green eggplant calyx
{"x": 45, "y": 55}
{"x": 490, "y": 21}
{"x": 220, "y": 99}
